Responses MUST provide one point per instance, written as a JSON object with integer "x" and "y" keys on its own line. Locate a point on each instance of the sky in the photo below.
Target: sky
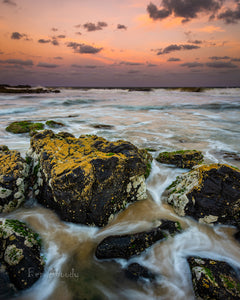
{"x": 120, "y": 43}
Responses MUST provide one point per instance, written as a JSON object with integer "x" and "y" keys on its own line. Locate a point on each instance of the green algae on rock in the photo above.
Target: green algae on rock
{"x": 20, "y": 247}
{"x": 182, "y": 158}
{"x": 14, "y": 173}
{"x": 208, "y": 193}
{"x": 24, "y": 127}
{"x": 128, "y": 245}
{"x": 87, "y": 179}
{"x": 54, "y": 124}
{"x": 214, "y": 279}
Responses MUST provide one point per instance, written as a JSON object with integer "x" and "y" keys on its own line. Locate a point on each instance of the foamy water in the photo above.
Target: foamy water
{"x": 161, "y": 120}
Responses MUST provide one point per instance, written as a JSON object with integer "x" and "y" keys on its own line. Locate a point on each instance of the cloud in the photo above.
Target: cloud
{"x": 47, "y": 65}
{"x": 79, "y": 33}
{"x": 187, "y": 9}
{"x": 221, "y": 64}
{"x": 219, "y": 57}
{"x": 83, "y": 48}
{"x": 42, "y": 41}
{"x": 58, "y": 57}
{"x": 1, "y": 52}
{"x": 84, "y": 66}
{"x": 120, "y": 26}
{"x": 129, "y": 63}
{"x": 235, "y": 59}
{"x": 54, "y": 41}
{"x": 175, "y": 47}
{"x": 174, "y": 59}
{"x": 18, "y": 62}
{"x": 196, "y": 42}
{"x": 10, "y": 2}
{"x": 151, "y": 65}
{"x": 230, "y": 16}
{"x": 94, "y": 27}
{"x": 54, "y": 29}
{"x": 61, "y": 36}
{"x": 192, "y": 65}
{"x": 17, "y": 36}
{"x": 210, "y": 29}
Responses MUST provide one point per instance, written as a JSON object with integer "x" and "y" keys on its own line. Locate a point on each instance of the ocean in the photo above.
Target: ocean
{"x": 160, "y": 120}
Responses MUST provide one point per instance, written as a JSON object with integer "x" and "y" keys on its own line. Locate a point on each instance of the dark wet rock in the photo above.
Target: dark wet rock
{"x": 237, "y": 236}
{"x": 24, "y": 127}
{"x": 87, "y": 179}
{"x": 208, "y": 193}
{"x": 7, "y": 289}
{"x": 102, "y": 126}
{"x": 140, "y": 89}
{"x": 25, "y": 90}
{"x": 230, "y": 155}
{"x": 182, "y": 158}
{"x": 54, "y": 124}
{"x": 137, "y": 272}
{"x": 128, "y": 245}
{"x": 14, "y": 173}
{"x": 20, "y": 253}
{"x": 214, "y": 279}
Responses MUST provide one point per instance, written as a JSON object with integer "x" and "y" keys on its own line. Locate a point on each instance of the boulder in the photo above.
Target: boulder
{"x": 126, "y": 246}
{"x": 208, "y": 193}
{"x": 182, "y": 158}
{"x": 7, "y": 289}
{"x": 14, "y": 173}
{"x": 20, "y": 253}
{"x": 214, "y": 279}
{"x": 54, "y": 124}
{"x": 137, "y": 272}
{"x": 87, "y": 179}
{"x": 24, "y": 127}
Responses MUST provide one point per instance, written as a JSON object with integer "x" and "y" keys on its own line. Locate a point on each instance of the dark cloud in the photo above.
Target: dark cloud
{"x": 151, "y": 65}
{"x": 1, "y": 52}
{"x": 219, "y": 57}
{"x": 196, "y": 42}
{"x": 54, "y": 29}
{"x": 43, "y": 41}
{"x": 175, "y": 47}
{"x": 79, "y": 33}
{"x": 94, "y": 27}
{"x": 55, "y": 42}
{"x": 235, "y": 59}
{"x": 129, "y": 63}
{"x": 221, "y": 65}
{"x": 17, "y": 36}
{"x": 83, "y": 48}
{"x": 133, "y": 71}
{"x": 187, "y": 9}
{"x": 230, "y": 16}
{"x": 174, "y": 59}
{"x": 19, "y": 62}
{"x": 84, "y": 66}
{"x": 192, "y": 65}
{"x": 58, "y": 57}
{"x": 10, "y": 2}
{"x": 120, "y": 26}
{"x": 61, "y": 36}
{"x": 47, "y": 65}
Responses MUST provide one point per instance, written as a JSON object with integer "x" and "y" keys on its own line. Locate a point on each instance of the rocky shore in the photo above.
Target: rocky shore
{"x": 88, "y": 180}
{"x": 26, "y": 89}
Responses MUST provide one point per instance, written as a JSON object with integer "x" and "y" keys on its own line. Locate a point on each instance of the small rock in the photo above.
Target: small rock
{"x": 136, "y": 272}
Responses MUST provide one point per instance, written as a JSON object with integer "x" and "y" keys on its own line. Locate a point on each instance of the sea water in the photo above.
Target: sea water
{"x": 161, "y": 120}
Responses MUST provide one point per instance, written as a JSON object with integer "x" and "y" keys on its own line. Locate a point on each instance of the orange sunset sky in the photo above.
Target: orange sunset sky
{"x": 120, "y": 42}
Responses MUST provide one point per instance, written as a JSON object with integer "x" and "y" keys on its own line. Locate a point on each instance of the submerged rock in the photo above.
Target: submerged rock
{"x": 182, "y": 158}
{"x": 137, "y": 272}
{"x": 24, "y": 127}
{"x": 87, "y": 179}
{"x": 208, "y": 193}
{"x": 20, "y": 253}
{"x": 7, "y": 289}
{"x": 54, "y": 124}
{"x": 14, "y": 173}
{"x": 214, "y": 279}
{"x": 125, "y": 246}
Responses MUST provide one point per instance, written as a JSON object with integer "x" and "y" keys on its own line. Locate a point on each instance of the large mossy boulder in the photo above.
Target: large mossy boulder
{"x": 14, "y": 173}
{"x": 128, "y": 245}
{"x": 20, "y": 254}
{"x": 182, "y": 158}
{"x": 214, "y": 279}
{"x": 208, "y": 193}
{"x": 24, "y": 127}
{"x": 87, "y": 179}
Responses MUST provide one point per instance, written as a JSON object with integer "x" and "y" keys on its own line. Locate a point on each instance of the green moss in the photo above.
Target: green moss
{"x": 24, "y": 127}
{"x": 54, "y": 124}
{"x": 148, "y": 170}
{"x": 110, "y": 154}
{"x": 209, "y": 274}
{"x": 179, "y": 227}
{"x": 231, "y": 284}
{"x": 35, "y": 169}
{"x": 28, "y": 160}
